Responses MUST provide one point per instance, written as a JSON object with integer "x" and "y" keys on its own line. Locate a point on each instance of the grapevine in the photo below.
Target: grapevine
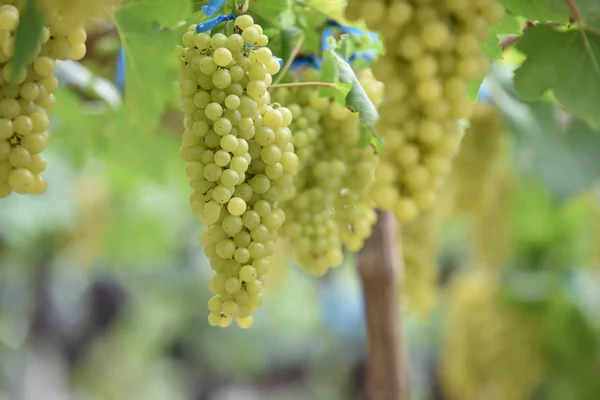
{"x": 240, "y": 160}
{"x": 28, "y": 95}
{"x": 433, "y": 52}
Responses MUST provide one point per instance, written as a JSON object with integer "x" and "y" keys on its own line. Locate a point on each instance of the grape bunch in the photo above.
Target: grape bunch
{"x": 433, "y": 52}
{"x": 26, "y": 95}
{"x": 480, "y": 163}
{"x": 331, "y": 207}
{"x": 480, "y": 185}
{"x": 419, "y": 245}
{"x": 73, "y": 12}
{"x": 490, "y": 349}
{"x": 240, "y": 160}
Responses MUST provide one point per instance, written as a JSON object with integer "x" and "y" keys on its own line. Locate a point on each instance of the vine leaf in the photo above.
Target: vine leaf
{"x": 145, "y": 12}
{"x": 330, "y": 73}
{"x": 27, "y": 35}
{"x": 563, "y": 155}
{"x": 268, "y": 10}
{"x": 538, "y": 10}
{"x": 491, "y": 48}
{"x": 337, "y": 70}
{"x": 357, "y": 98}
{"x": 151, "y": 67}
{"x": 568, "y": 63}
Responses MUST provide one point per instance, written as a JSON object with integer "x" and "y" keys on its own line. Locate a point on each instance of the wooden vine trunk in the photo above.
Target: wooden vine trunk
{"x": 379, "y": 266}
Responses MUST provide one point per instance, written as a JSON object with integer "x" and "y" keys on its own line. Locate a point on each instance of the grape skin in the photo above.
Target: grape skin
{"x": 28, "y": 93}
{"x": 436, "y": 44}
{"x": 233, "y": 144}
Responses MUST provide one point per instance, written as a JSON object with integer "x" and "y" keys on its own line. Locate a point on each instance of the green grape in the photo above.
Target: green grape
{"x": 224, "y": 95}
{"x": 21, "y": 180}
{"x": 438, "y": 47}
{"x": 222, "y": 56}
{"x": 250, "y": 35}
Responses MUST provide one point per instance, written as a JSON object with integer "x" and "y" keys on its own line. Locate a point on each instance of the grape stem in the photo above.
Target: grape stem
{"x": 302, "y": 84}
{"x": 574, "y": 11}
{"x": 290, "y": 60}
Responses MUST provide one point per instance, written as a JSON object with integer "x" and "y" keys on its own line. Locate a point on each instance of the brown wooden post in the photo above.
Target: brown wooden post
{"x": 379, "y": 266}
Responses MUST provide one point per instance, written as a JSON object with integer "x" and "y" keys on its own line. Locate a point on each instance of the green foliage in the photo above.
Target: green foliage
{"x": 337, "y": 70}
{"x": 568, "y": 63}
{"x": 573, "y": 363}
{"x": 150, "y": 53}
{"x": 268, "y": 10}
{"x": 492, "y": 49}
{"x": 537, "y": 10}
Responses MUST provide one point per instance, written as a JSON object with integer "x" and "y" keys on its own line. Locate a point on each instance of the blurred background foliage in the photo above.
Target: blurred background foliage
{"x": 103, "y": 283}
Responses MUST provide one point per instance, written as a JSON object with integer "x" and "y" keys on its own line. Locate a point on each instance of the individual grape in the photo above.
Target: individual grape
{"x": 21, "y": 180}
{"x": 437, "y": 46}
{"x": 225, "y": 99}
{"x": 222, "y": 57}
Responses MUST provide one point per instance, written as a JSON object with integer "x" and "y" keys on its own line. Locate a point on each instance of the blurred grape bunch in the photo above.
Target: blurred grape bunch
{"x": 419, "y": 245}
{"x": 74, "y": 12}
{"x": 480, "y": 186}
{"x": 85, "y": 243}
{"x": 279, "y": 266}
{"x": 489, "y": 349}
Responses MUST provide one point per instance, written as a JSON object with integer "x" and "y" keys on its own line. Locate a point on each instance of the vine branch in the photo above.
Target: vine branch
{"x": 290, "y": 60}
{"x": 379, "y": 265}
{"x": 574, "y": 12}
{"x": 302, "y": 84}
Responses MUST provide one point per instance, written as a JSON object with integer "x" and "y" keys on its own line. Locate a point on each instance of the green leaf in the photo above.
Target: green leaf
{"x": 491, "y": 48}
{"x": 330, "y": 74}
{"x": 141, "y": 13}
{"x": 568, "y": 63}
{"x": 568, "y": 162}
{"x": 509, "y": 25}
{"x": 150, "y": 54}
{"x": 473, "y": 90}
{"x": 537, "y": 10}
{"x": 563, "y": 157}
{"x": 311, "y": 23}
{"x": 357, "y": 98}
{"x": 365, "y": 136}
{"x": 268, "y": 10}
{"x": 27, "y": 35}
{"x": 377, "y": 142}
{"x": 589, "y": 10}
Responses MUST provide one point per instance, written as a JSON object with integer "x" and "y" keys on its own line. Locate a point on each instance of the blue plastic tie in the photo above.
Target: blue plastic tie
{"x": 307, "y": 61}
{"x": 211, "y": 23}
{"x": 351, "y": 30}
{"x": 212, "y": 7}
{"x": 120, "y": 70}
{"x": 367, "y": 55}
{"x": 327, "y": 33}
